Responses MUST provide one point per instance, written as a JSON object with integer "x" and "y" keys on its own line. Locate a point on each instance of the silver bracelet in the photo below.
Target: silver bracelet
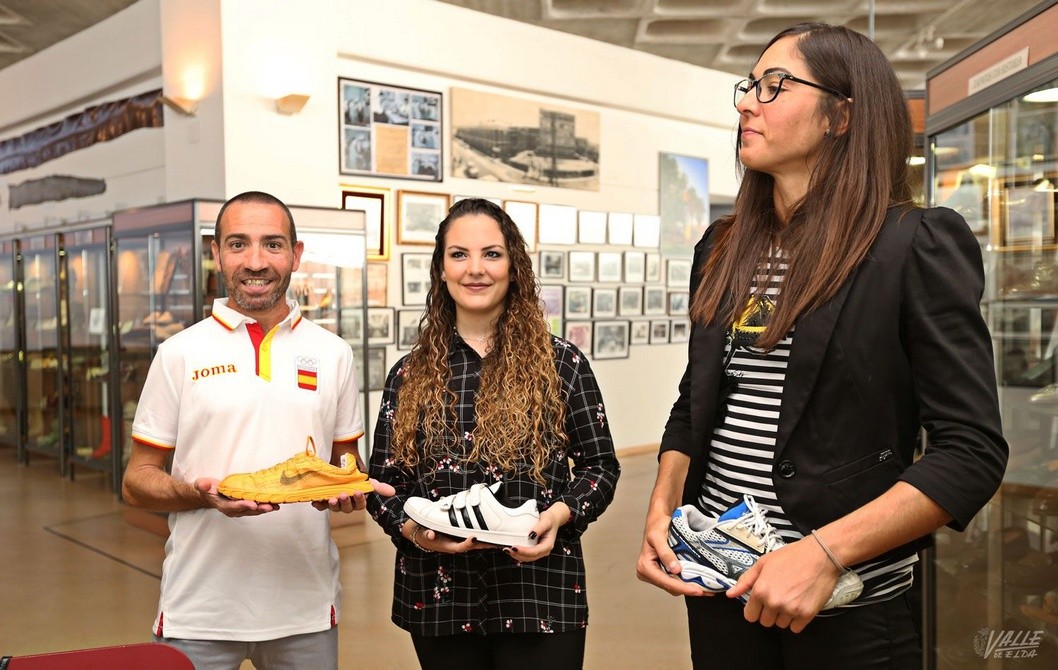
{"x": 830, "y": 554}
{"x": 415, "y": 540}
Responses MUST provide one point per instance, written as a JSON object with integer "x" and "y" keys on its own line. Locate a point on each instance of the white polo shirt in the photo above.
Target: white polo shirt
{"x": 225, "y": 403}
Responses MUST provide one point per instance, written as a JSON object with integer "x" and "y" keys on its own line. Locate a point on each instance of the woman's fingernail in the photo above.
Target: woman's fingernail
{"x": 532, "y": 535}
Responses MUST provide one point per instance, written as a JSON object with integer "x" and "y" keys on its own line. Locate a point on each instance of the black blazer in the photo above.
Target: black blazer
{"x": 901, "y": 345}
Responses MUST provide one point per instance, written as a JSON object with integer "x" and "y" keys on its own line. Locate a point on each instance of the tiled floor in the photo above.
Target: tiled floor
{"x": 75, "y": 574}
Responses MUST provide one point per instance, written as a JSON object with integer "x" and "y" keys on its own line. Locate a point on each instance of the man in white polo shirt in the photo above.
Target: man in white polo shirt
{"x": 239, "y": 392}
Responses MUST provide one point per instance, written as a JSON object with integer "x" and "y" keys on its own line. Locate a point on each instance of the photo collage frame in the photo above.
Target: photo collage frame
{"x": 607, "y": 280}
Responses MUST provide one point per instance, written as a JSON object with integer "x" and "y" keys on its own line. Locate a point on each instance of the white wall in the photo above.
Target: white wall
{"x": 647, "y": 104}
{"x": 237, "y": 56}
{"x": 192, "y": 67}
{"x": 116, "y": 58}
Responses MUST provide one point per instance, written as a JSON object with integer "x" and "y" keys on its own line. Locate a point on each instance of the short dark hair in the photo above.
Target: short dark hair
{"x": 257, "y": 198}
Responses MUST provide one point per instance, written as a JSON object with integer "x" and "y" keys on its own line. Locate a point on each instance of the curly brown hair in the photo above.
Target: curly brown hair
{"x": 520, "y": 406}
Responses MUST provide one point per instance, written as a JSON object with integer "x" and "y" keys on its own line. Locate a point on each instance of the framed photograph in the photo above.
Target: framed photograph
{"x": 646, "y": 229}
{"x": 415, "y": 278}
{"x": 380, "y": 327}
{"x": 652, "y": 267}
{"x": 630, "y": 301}
{"x": 680, "y": 330}
{"x": 655, "y": 301}
{"x": 389, "y": 131}
{"x": 683, "y": 202}
{"x": 579, "y": 334}
{"x": 352, "y": 327}
{"x": 554, "y": 306}
{"x": 517, "y": 140}
{"x": 679, "y": 272}
{"x": 578, "y": 302}
{"x": 604, "y": 303}
{"x": 377, "y": 284}
{"x": 524, "y": 216}
{"x": 376, "y": 366}
{"x": 557, "y": 224}
{"x": 659, "y": 332}
{"x": 620, "y": 228}
{"x": 582, "y": 266}
{"x": 374, "y": 202}
{"x": 552, "y": 264}
{"x": 610, "y": 266}
{"x": 591, "y": 227}
{"x": 1029, "y": 216}
{"x": 635, "y": 269}
{"x": 640, "y": 332}
{"x": 419, "y": 215}
{"x": 408, "y": 328}
{"x": 611, "y": 340}
{"x": 678, "y": 302}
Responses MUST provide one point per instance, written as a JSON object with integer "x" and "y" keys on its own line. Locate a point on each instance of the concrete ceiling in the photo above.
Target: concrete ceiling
{"x": 725, "y": 35}
{"x": 729, "y": 35}
{"x": 29, "y": 26}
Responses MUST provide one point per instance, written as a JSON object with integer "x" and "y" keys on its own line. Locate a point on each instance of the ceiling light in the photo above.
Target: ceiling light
{"x": 1046, "y": 95}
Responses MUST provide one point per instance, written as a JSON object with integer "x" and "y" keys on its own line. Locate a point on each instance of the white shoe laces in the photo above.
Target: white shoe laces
{"x": 759, "y": 526}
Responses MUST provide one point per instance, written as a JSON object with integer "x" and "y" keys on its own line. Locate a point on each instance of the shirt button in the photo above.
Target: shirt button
{"x": 787, "y": 469}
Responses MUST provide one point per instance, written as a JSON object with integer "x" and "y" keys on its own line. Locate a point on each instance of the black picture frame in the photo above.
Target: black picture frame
{"x": 408, "y": 328}
{"x": 390, "y": 131}
{"x": 380, "y": 325}
{"x": 415, "y": 277}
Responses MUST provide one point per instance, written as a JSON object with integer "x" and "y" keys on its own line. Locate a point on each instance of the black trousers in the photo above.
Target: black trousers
{"x": 882, "y": 636}
{"x": 515, "y": 651}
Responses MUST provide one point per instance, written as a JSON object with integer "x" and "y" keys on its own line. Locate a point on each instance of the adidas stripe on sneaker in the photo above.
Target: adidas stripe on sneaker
{"x": 476, "y": 513}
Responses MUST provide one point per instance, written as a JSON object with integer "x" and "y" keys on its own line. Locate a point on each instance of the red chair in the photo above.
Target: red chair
{"x": 145, "y": 656}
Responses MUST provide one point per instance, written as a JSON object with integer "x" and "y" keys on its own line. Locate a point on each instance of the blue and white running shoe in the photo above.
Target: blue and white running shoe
{"x": 713, "y": 553}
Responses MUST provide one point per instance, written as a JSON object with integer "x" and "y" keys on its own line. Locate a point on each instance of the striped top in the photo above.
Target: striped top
{"x": 742, "y": 449}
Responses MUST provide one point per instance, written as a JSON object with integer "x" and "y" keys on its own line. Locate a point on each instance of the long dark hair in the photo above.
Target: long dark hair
{"x": 859, "y": 174}
{"x": 520, "y": 407}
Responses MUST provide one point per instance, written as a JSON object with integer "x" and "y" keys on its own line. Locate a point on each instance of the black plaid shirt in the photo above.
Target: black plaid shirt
{"x": 486, "y": 592}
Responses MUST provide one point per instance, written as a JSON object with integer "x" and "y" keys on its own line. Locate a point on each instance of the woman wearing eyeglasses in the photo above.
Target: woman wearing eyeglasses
{"x": 831, "y": 319}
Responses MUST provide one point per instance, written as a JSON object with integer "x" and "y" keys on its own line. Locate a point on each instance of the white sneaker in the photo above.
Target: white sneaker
{"x": 713, "y": 553}
{"x": 476, "y": 513}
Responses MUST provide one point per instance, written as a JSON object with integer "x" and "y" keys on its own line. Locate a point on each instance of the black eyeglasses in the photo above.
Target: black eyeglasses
{"x": 768, "y": 87}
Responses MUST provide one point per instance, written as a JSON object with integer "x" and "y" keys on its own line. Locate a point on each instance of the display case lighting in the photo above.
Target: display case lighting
{"x": 1045, "y": 95}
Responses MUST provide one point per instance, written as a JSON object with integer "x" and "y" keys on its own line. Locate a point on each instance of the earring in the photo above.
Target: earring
{"x": 443, "y": 277}
{"x": 827, "y": 133}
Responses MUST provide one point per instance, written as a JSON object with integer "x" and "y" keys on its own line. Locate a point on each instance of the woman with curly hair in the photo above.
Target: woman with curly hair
{"x": 489, "y": 396}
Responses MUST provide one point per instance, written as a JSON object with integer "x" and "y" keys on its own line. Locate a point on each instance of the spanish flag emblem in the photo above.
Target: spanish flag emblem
{"x": 306, "y": 379}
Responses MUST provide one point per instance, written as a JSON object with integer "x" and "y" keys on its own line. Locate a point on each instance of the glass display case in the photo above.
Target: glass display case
{"x": 161, "y": 286}
{"x": 166, "y": 281}
{"x": 11, "y": 384}
{"x": 999, "y": 169}
{"x": 43, "y": 364}
{"x": 87, "y": 339}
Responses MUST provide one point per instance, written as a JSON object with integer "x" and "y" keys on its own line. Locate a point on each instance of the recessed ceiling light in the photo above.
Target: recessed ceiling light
{"x": 1046, "y": 95}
